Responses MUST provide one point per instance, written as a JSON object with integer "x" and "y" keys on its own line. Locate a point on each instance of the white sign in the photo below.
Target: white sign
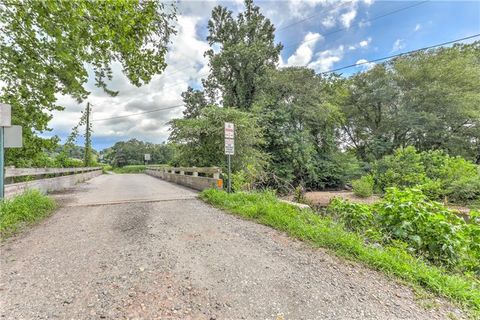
{"x": 229, "y": 146}
{"x": 229, "y": 130}
{"x": 229, "y": 138}
{"x": 13, "y": 137}
{"x": 5, "y": 115}
{"x": 147, "y": 157}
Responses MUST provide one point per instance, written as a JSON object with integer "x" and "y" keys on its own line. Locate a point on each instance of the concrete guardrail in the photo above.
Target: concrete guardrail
{"x": 189, "y": 177}
{"x": 63, "y": 178}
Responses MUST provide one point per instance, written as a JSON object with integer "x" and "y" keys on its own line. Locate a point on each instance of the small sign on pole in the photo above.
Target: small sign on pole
{"x": 5, "y": 115}
{"x": 229, "y": 149}
{"x": 5, "y": 123}
{"x": 147, "y": 156}
{"x": 13, "y": 137}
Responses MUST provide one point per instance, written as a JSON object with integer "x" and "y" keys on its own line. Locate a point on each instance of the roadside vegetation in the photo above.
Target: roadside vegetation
{"x": 23, "y": 210}
{"x": 129, "y": 169}
{"x": 425, "y": 254}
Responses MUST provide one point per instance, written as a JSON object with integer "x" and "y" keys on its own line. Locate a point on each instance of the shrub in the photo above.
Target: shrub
{"x": 402, "y": 169}
{"x": 437, "y": 174}
{"x": 355, "y": 217}
{"x": 322, "y": 231}
{"x": 428, "y": 228}
{"x": 23, "y": 209}
{"x": 464, "y": 190}
{"x": 363, "y": 187}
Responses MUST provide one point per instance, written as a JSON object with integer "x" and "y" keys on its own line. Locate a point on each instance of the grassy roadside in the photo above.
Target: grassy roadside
{"x": 323, "y": 232}
{"x": 22, "y": 210}
{"x": 130, "y": 169}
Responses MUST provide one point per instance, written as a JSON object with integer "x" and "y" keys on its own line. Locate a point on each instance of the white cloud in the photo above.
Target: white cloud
{"x": 329, "y": 22}
{"x": 399, "y": 44}
{"x": 186, "y": 65}
{"x": 304, "y": 52}
{"x": 418, "y": 26}
{"x": 347, "y": 18}
{"x": 324, "y": 60}
{"x": 365, "y": 43}
{"x": 365, "y": 64}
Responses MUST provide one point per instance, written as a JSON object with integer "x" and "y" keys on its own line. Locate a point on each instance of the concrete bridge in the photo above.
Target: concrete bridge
{"x": 134, "y": 246}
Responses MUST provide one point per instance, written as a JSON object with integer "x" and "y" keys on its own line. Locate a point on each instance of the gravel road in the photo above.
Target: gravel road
{"x": 135, "y": 247}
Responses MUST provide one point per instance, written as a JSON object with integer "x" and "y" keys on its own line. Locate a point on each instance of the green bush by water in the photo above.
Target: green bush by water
{"x": 428, "y": 229}
{"x": 363, "y": 187}
{"x": 438, "y": 175}
{"x": 306, "y": 225}
{"x": 23, "y": 210}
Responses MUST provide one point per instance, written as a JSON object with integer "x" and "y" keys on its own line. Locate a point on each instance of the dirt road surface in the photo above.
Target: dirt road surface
{"x": 135, "y": 247}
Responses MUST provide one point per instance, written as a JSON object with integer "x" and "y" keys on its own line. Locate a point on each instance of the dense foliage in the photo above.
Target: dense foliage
{"x": 392, "y": 257}
{"x": 428, "y": 99}
{"x": 363, "y": 187}
{"x": 132, "y": 152}
{"x": 200, "y": 140}
{"x": 23, "y": 209}
{"x": 46, "y": 48}
{"x": 428, "y": 229}
{"x": 322, "y": 131}
{"x": 437, "y": 174}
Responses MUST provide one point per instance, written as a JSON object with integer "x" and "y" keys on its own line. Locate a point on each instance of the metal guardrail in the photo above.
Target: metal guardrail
{"x": 32, "y": 172}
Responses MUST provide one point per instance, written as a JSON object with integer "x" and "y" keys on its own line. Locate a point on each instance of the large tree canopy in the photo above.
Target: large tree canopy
{"x": 429, "y": 99}
{"x": 247, "y": 51}
{"x": 46, "y": 48}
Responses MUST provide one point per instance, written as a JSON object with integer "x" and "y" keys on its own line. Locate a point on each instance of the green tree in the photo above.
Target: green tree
{"x": 200, "y": 141}
{"x": 428, "y": 99}
{"x": 46, "y": 46}
{"x": 247, "y": 51}
{"x": 299, "y": 115}
{"x": 132, "y": 152}
{"x": 194, "y": 101}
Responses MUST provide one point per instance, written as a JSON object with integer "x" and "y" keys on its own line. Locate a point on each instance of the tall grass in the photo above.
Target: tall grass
{"x": 140, "y": 168}
{"x": 324, "y": 232}
{"x": 23, "y": 210}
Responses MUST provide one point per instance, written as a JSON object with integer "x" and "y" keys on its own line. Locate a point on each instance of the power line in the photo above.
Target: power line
{"x": 324, "y": 72}
{"x": 136, "y": 114}
{"x": 315, "y": 38}
{"x": 348, "y": 28}
{"x": 313, "y": 16}
{"x": 403, "y": 53}
{"x": 282, "y": 28}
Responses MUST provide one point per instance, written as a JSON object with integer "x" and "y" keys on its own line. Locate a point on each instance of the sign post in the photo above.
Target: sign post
{"x": 5, "y": 121}
{"x": 229, "y": 149}
{"x": 146, "y": 158}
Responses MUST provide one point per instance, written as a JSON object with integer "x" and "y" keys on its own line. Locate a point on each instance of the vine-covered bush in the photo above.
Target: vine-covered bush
{"x": 428, "y": 228}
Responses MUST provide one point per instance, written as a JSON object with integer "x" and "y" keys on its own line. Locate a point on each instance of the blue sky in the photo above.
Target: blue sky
{"x": 320, "y": 34}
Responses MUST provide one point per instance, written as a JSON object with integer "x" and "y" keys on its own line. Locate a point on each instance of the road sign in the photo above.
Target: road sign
{"x": 5, "y": 115}
{"x": 147, "y": 157}
{"x": 13, "y": 137}
{"x": 229, "y": 149}
{"x": 229, "y": 130}
{"x": 229, "y": 146}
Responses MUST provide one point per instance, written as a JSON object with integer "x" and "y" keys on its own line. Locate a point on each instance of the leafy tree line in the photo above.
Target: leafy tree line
{"x": 46, "y": 48}
{"x": 302, "y": 128}
{"x": 132, "y": 152}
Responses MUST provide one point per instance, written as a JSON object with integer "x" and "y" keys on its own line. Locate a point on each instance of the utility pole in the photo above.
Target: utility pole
{"x": 88, "y": 144}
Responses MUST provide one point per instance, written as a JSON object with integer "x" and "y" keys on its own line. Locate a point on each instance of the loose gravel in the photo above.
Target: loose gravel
{"x": 160, "y": 253}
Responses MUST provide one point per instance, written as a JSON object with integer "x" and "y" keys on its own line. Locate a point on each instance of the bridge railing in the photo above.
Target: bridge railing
{"x": 198, "y": 178}
{"x": 45, "y": 180}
